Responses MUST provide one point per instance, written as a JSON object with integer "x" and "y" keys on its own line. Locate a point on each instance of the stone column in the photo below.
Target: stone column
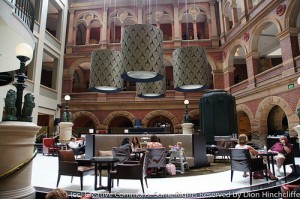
{"x": 17, "y": 144}
{"x": 252, "y": 62}
{"x": 228, "y": 77}
{"x": 87, "y": 36}
{"x": 177, "y": 23}
{"x": 289, "y": 45}
{"x": 103, "y": 37}
{"x": 235, "y": 19}
{"x": 187, "y": 128}
{"x": 195, "y": 29}
{"x": 65, "y": 132}
{"x": 70, "y": 30}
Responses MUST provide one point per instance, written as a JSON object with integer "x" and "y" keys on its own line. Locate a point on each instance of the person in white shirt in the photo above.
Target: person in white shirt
{"x": 77, "y": 145}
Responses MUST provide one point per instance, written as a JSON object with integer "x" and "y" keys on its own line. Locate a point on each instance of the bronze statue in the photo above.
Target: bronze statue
{"x": 28, "y": 107}
{"x": 10, "y": 106}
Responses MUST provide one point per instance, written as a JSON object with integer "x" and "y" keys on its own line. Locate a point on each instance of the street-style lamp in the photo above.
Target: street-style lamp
{"x": 186, "y": 114}
{"x": 67, "y": 114}
{"x": 24, "y": 54}
{"x": 14, "y": 99}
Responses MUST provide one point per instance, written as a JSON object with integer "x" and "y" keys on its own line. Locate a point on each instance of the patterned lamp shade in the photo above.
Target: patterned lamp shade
{"x": 152, "y": 89}
{"x": 106, "y": 70}
{"x": 190, "y": 69}
{"x": 142, "y": 53}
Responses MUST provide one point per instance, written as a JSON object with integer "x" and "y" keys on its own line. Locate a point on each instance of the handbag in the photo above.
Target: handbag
{"x": 171, "y": 169}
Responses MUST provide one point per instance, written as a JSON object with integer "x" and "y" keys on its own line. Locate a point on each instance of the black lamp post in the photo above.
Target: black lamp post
{"x": 186, "y": 114}
{"x": 24, "y": 54}
{"x": 67, "y": 113}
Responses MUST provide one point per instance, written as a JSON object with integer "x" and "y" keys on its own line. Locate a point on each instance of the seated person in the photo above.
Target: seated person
{"x": 242, "y": 144}
{"x": 154, "y": 142}
{"x": 125, "y": 143}
{"x": 77, "y": 145}
{"x": 135, "y": 144}
{"x": 177, "y": 147}
{"x": 282, "y": 147}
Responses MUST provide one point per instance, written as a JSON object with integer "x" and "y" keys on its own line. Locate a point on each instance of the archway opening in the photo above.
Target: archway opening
{"x": 277, "y": 121}
{"x": 244, "y": 126}
{"x": 161, "y": 121}
{"x": 118, "y": 124}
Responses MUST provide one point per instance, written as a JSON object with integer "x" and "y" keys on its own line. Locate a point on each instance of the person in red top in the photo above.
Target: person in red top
{"x": 281, "y": 148}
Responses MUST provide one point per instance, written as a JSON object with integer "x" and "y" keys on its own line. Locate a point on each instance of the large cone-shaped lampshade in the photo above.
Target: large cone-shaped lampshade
{"x": 190, "y": 69}
{"x": 142, "y": 53}
{"x": 106, "y": 70}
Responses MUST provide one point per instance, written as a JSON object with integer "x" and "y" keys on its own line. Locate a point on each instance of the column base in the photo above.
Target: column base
{"x": 187, "y": 128}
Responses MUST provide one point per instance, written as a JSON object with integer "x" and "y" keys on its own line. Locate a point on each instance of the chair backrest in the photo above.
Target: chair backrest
{"x": 48, "y": 142}
{"x": 290, "y": 157}
{"x": 156, "y": 157}
{"x": 66, "y": 155}
{"x": 143, "y": 162}
{"x": 122, "y": 153}
{"x": 240, "y": 159}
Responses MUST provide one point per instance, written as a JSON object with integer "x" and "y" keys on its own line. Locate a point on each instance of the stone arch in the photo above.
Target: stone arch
{"x": 231, "y": 52}
{"x": 264, "y": 109}
{"x": 81, "y": 75}
{"x": 292, "y": 13}
{"x": 114, "y": 114}
{"x": 70, "y": 70}
{"x": 160, "y": 8}
{"x": 183, "y": 11}
{"x": 115, "y": 15}
{"x": 254, "y": 38}
{"x": 89, "y": 115}
{"x": 164, "y": 113}
{"x": 244, "y": 108}
{"x": 80, "y": 18}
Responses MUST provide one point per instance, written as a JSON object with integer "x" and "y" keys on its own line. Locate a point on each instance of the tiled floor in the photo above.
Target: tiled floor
{"x": 45, "y": 175}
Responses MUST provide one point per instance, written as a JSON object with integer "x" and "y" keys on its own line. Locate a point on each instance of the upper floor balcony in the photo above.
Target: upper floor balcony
{"x": 16, "y": 25}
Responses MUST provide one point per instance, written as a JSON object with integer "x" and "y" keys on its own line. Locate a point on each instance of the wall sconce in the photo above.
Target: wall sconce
{"x": 190, "y": 69}
{"x": 106, "y": 70}
{"x": 142, "y": 53}
{"x": 186, "y": 118}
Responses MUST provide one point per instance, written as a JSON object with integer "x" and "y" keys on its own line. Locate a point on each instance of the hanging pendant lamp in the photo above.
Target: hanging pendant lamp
{"x": 190, "y": 69}
{"x": 142, "y": 53}
{"x": 105, "y": 74}
{"x": 152, "y": 89}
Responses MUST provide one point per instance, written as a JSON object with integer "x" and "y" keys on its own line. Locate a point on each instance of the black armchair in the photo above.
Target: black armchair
{"x": 68, "y": 166}
{"x": 241, "y": 161}
{"x": 289, "y": 159}
{"x": 132, "y": 170}
{"x": 157, "y": 158}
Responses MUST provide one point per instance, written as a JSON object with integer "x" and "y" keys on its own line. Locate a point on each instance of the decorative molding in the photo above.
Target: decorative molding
{"x": 281, "y": 9}
{"x": 246, "y": 36}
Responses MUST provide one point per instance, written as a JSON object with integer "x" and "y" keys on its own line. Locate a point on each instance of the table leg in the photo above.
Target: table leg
{"x": 100, "y": 174}
{"x": 108, "y": 177}
{"x": 96, "y": 175}
{"x": 272, "y": 158}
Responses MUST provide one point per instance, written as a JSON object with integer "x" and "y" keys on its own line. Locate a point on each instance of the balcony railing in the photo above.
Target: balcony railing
{"x": 25, "y": 11}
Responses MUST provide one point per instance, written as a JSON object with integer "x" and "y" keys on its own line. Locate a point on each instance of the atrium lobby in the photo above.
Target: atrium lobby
{"x": 190, "y": 71}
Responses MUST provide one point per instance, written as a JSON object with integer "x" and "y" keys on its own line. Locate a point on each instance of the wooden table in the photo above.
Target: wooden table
{"x": 98, "y": 161}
